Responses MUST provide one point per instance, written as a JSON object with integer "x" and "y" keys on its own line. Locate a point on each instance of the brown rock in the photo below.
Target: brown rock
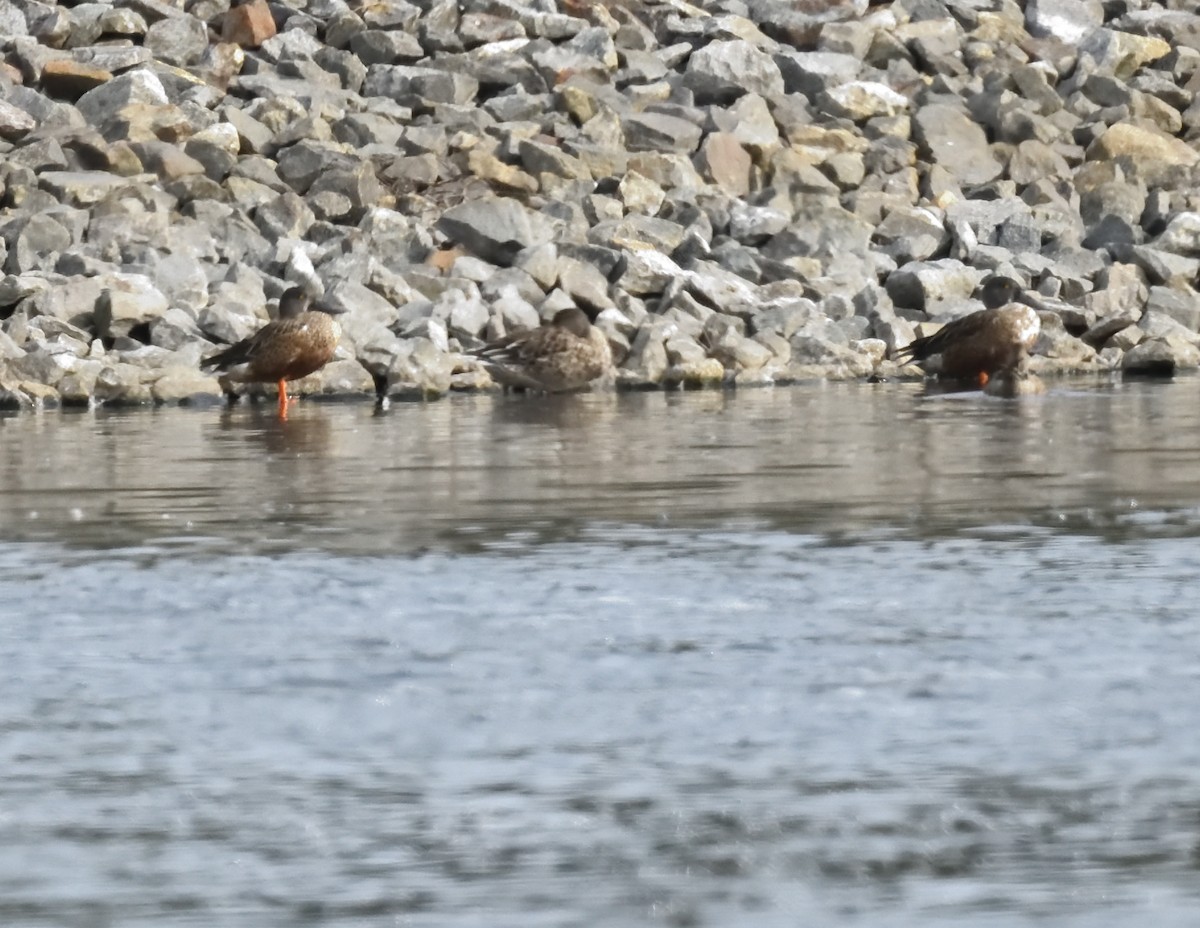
{"x": 487, "y": 166}
{"x": 248, "y": 25}
{"x": 1143, "y": 146}
{"x": 441, "y": 259}
{"x": 64, "y": 77}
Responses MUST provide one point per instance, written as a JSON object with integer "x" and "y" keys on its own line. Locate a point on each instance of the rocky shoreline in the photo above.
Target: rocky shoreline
{"x": 747, "y": 191}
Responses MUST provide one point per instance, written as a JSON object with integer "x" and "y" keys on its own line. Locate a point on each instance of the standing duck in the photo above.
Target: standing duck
{"x": 564, "y": 354}
{"x": 978, "y": 345}
{"x": 300, "y": 341}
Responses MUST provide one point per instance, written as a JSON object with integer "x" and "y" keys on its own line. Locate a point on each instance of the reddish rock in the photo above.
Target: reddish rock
{"x": 248, "y": 25}
{"x": 726, "y": 163}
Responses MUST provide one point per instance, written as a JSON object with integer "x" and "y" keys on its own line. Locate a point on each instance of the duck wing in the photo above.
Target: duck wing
{"x": 968, "y": 327}
{"x": 265, "y": 340}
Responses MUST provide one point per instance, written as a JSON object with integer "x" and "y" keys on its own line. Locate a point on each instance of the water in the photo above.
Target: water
{"x": 841, "y": 655}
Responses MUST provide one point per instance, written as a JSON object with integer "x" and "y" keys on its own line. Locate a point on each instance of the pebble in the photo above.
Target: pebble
{"x": 761, "y": 194}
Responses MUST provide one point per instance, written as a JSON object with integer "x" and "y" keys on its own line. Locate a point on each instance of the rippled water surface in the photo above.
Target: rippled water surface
{"x": 839, "y": 655}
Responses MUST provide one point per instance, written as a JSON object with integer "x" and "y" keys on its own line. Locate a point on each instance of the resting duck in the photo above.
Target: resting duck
{"x": 978, "y": 345}
{"x": 300, "y": 341}
{"x": 564, "y": 354}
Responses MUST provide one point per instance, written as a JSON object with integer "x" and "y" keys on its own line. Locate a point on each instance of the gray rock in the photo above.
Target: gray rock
{"x": 138, "y": 86}
{"x": 515, "y": 312}
{"x": 328, "y": 205}
{"x": 252, "y": 134}
{"x": 921, "y": 284}
{"x": 122, "y": 384}
{"x": 1158, "y": 324}
{"x": 787, "y": 318}
{"x": 753, "y": 225}
{"x": 378, "y": 47}
{"x": 420, "y": 369}
{"x": 14, "y": 121}
{"x": 128, "y": 301}
{"x": 660, "y": 132}
{"x": 912, "y": 234}
{"x": 1182, "y": 305}
{"x": 43, "y": 365}
{"x": 302, "y": 163}
{"x": 726, "y": 343}
{"x": 37, "y": 245}
{"x": 178, "y": 40}
{"x": 862, "y": 100}
{"x": 86, "y": 188}
{"x": 724, "y": 70}
{"x": 286, "y": 216}
{"x": 1160, "y": 356}
{"x": 406, "y": 84}
{"x": 1069, "y": 21}
{"x": 166, "y": 160}
{"x": 816, "y": 73}
{"x": 716, "y": 287}
{"x": 584, "y": 283}
{"x": 1181, "y": 236}
{"x": 1103, "y": 330}
{"x": 175, "y": 329}
{"x": 184, "y": 385}
{"x": 465, "y": 314}
{"x": 950, "y": 138}
{"x": 1162, "y": 267}
{"x": 836, "y": 238}
{"x": 811, "y": 350}
{"x": 647, "y": 362}
{"x": 540, "y": 262}
{"x": 495, "y": 229}
{"x": 357, "y": 183}
{"x": 12, "y": 20}
{"x": 649, "y": 271}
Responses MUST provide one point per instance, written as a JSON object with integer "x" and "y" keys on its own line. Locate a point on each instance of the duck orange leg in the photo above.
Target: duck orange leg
{"x": 283, "y": 399}
{"x": 983, "y": 378}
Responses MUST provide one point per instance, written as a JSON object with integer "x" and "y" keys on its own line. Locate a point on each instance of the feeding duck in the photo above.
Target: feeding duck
{"x": 300, "y": 341}
{"x": 982, "y": 343}
{"x": 1014, "y": 382}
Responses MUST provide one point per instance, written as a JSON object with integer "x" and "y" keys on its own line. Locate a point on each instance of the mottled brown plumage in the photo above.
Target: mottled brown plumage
{"x": 295, "y": 345}
{"x": 1015, "y": 382}
{"x": 982, "y": 343}
{"x": 564, "y": 354}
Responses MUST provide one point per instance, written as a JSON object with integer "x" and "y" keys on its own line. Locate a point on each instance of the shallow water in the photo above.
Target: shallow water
{"x": 823, "y": 655}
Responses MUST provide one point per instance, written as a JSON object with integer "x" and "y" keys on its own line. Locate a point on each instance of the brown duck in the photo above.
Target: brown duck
{"x": 978, "y": 345}
{"x": 300, "y": 341}
{"x": 1015, "y": 382}
{"x": 564, "y": 354}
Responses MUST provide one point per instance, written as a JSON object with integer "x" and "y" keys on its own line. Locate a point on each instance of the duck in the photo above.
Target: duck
{"x": 973, "y": 348}
{"x": 299, "y": 342}
{"x": 566, "y": 353}
{"x": 1015, "y": 382}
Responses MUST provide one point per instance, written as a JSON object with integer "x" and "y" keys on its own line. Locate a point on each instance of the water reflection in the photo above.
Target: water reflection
{"x": 838, "y": 460}
{"x": 845, "y": 654}
{"x": 309, "y": 434}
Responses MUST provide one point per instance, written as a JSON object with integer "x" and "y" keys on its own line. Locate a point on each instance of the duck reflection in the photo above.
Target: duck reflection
{"x": 562, "y": 411}
{"x": 306, "y": 432}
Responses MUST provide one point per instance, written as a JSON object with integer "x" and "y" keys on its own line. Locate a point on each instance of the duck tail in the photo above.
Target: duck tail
{"x": 234, "y": 354}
